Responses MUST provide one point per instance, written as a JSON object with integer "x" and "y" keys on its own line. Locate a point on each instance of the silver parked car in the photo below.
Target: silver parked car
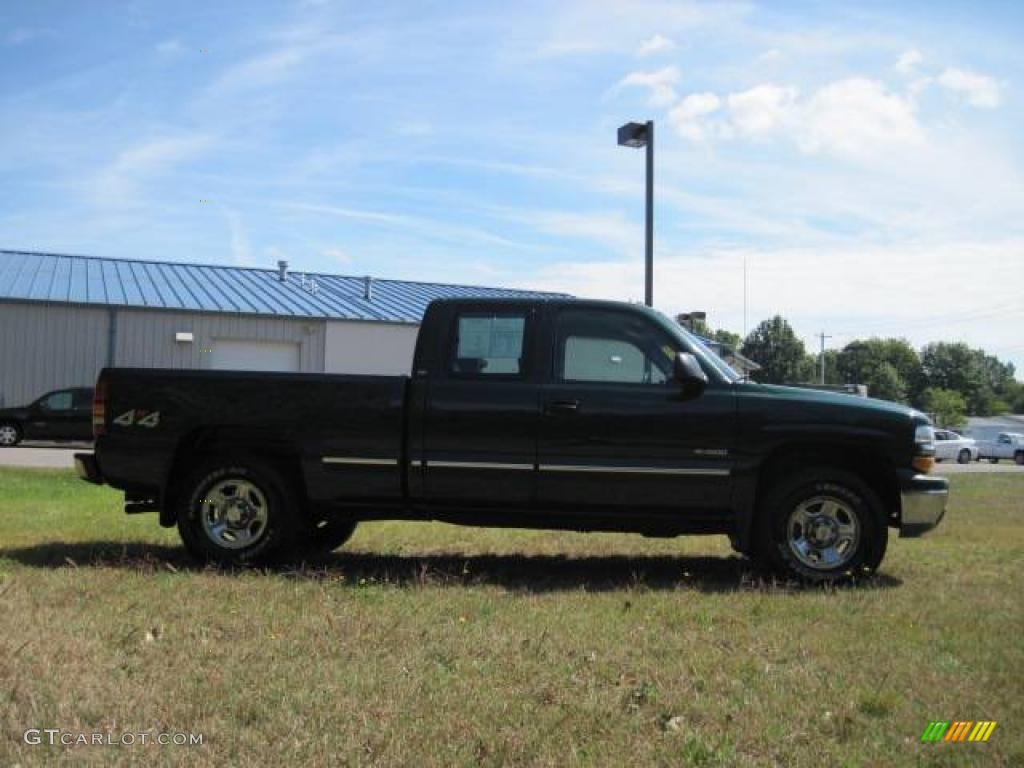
{"x": 950, "y": 445}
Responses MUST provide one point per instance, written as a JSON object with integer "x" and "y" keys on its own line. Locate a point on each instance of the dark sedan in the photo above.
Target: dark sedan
{"x": 65, "y": 414}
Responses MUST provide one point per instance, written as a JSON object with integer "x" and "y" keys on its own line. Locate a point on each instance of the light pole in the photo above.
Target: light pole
{"x": 821, "y": 357}
{"x": 642, "y": 135}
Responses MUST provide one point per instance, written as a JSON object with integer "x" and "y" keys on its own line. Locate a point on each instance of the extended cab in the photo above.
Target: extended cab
{"x": 561, "y": 414}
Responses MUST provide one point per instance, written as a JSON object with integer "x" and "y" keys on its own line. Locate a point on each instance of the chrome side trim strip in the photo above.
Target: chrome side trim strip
{"x": 359, "y": 461}
{"x": 634, "y": 470}
{"x": 475, "y": 465}
{"x": 691, "y": 471}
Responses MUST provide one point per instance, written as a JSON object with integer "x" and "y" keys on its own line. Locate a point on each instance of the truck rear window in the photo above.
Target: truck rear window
{"x": 489, "y": 344}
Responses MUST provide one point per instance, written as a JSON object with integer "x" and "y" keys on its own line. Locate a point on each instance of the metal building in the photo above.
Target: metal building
{"x": 63, "y": 318}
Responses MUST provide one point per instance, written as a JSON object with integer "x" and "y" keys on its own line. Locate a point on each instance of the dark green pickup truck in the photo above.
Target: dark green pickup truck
{"x": 570, "y": 414}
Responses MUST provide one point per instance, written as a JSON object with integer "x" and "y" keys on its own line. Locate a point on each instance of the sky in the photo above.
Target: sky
{"x": 863, "y": 162}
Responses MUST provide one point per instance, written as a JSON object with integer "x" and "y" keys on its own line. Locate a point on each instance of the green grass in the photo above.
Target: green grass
{"x": 425, "y": 644}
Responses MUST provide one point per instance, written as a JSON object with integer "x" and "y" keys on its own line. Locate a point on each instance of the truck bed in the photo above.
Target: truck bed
{"x": 348, "y": 429}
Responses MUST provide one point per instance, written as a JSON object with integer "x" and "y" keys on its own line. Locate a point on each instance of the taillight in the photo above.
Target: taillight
{"x": 99, "y": 409}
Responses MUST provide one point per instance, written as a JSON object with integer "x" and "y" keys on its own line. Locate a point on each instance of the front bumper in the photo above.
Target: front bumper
{"x": 87, "y": 468}
{"x": 922, "y": 503}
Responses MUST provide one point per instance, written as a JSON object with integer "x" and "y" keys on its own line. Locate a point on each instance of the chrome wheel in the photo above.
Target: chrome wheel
{"x": 823, "y": 533}
{"x": 8, "y": 435}
{"x": 234, "y": 513}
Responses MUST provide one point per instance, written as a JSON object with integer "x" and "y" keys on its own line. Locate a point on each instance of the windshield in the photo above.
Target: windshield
{"x": 699, "y": 348}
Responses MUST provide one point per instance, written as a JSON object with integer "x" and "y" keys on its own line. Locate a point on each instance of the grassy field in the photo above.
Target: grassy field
{"x": 424, "y": 644}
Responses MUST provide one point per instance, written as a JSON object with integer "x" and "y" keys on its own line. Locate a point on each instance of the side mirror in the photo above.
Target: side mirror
{"x": 689, "y": 375}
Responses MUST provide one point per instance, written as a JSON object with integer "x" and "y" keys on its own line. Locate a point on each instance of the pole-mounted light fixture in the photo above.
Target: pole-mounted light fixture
{"x": 642, "y": 135}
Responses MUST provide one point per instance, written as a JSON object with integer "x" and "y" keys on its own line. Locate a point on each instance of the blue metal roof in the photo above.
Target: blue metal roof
{"x": 28, "y": 276}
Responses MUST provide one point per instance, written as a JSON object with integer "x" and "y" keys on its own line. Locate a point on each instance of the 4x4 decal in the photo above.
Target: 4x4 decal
{"x": 138, "y": 419}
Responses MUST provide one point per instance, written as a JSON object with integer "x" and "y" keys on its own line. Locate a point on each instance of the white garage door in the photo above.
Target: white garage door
{"x": 237, "y": 355}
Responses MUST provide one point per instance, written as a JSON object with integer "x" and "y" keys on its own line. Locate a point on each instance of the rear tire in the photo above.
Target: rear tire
{"x": 236, "y": 512}
{"x": 1019, "y": 458}
{"x": 993, "y": 461}
{"x": 329, "y": 534}
{"x": 10, "y": 435}
{"x": 964, "y": 457}
{"x": 822, "y": 525}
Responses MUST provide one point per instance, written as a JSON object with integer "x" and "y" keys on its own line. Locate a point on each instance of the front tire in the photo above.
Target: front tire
{"x": 10, "y": 435}
{"x": 1018, "y": 457}
{"x": 964, "y": 457}
{"x": 822, "y": 525}
{"x": 236, "y": 512}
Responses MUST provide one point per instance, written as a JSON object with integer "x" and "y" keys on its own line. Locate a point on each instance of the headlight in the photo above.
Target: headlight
{"x": 924, "y": 448}
{"x": 924, "y": 440}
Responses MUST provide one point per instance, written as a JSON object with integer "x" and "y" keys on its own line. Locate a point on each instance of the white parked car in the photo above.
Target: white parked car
{"x": 1009, "y": 445}
{"x": 950, "y": 446}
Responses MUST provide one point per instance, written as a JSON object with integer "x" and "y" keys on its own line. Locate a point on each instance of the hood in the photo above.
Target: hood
{"x": 842, "y": 400}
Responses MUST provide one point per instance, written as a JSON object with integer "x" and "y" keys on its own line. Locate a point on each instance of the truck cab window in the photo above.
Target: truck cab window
{"x": 489, "y": 344}
{"x": 615, "y": 347}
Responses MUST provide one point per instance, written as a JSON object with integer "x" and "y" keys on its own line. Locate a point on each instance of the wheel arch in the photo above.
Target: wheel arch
{"x": 874, "y": 470}
{"x": 206, "y": 443}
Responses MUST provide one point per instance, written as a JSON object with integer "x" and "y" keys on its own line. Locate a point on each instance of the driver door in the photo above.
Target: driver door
{"x": 616, "y": 430}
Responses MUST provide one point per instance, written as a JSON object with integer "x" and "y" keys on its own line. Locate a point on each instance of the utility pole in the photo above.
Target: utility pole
{"x": 821, "y": 357}
{"x": 744, "y": 298}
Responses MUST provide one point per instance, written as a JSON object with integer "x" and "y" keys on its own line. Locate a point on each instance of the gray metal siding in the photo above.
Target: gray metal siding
{"x": 46, "y": 346}
{"x": 145, "y": 339}
{"x": 50, "y": 346}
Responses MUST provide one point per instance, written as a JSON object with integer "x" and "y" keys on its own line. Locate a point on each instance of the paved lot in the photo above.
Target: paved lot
{"x": 50, "y": 455}
{"x": 42, "y": 455}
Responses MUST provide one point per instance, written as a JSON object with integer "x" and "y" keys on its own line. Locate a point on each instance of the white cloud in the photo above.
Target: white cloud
{"x": 689, "y": 116}
{"x": 297, "y": 47}
{"x": 414, "y": 128}
{"x": 656, "y": 44}
{"x": 118, "y": 183}
{"x": 336, "y": 255}
{"x": 428, "y": 228}
{"x": 857, "y": 116}
{"x": 908, "y": 61}
{"x": 170, "y": 48}
{"x": 852, "y": 300}
{"x": 239, "y": 239}
{"x": 979, "y": 90}
{"x": 22, "y": 35}
{"x": 610, "y": 229}
{"x": 579, "y": 27}
{"x": 263, "y": 70}
{"x": 762, "y": 110}
{"x": 659, "y": 83}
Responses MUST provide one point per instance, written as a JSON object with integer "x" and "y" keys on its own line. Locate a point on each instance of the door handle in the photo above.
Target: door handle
{"x": 562, "y": 406}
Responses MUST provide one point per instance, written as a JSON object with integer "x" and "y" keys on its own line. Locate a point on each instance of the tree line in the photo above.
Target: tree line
{"x": 948, "y": 379}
